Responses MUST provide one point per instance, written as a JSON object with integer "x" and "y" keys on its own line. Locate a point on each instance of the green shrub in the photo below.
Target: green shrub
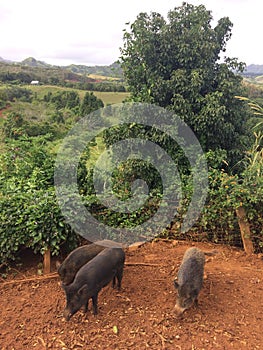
{"x": 29, "y": 213}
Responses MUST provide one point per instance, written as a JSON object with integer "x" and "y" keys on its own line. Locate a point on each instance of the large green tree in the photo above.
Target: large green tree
{"x": 176, "y": 64}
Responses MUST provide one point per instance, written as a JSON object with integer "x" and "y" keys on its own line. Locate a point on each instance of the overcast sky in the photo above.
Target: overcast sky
{"x": 90, "y": 32}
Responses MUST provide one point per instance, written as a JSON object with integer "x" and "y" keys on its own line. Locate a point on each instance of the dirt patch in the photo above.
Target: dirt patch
{"x": 140, "y": 316}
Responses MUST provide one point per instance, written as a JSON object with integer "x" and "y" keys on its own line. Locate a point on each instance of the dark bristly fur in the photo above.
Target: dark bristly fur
{"x": 75, "y": 260}
{"x": 91, "y": 278}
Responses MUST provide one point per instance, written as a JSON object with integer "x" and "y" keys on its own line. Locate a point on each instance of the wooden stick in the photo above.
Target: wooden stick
{"x": 245, "y": 230}
{"x": 140, "y": 264}
{"x": 162, "y": 339}
{"x": 31, "y": 279}
{"x": 55, "y": 275}
{"x": 47, "y": 262}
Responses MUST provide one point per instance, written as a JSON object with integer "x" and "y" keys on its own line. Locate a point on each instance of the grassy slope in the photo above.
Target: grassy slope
{"x": 106, "y": 97}
{"x": 39, "y": 110}
{"x": 258, "y": 81}
{"x": 102, "y": 77}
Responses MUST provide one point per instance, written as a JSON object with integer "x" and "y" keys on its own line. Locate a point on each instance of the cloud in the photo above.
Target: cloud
{"x": 88, "y": 55}
{"x": 83, "y": 31}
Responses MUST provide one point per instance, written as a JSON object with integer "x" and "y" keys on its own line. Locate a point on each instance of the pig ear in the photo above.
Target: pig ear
{"x": 176, "y": 285}
{"x": 83, "y": 289}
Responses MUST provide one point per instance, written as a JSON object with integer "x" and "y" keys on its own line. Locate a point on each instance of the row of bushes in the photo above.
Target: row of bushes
{"x": 30, "y": 215}
{"x": 64, "y": 107}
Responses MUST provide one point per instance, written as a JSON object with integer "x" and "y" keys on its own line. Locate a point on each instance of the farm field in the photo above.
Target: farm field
{"x": 39, "y": 110}
{"x": 140, "y": 316}
{"x": 106, "y": 97}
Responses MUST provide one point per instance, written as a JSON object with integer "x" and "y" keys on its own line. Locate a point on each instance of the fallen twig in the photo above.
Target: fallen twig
{"x": 140, "y": 264}
{"x": 12, "y": 268}
{"x": 55, "y": 275}
{"x": 31, "y": 279}
{"x": 42, "y": 342}
{"x": 162, "y": 339}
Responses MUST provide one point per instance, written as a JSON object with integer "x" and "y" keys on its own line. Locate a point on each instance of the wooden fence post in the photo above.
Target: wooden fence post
{"x": 245, "y": 230}
{"x": 47, "y": 263}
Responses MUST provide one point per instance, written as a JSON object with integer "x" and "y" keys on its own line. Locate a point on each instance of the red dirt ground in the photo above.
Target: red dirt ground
{"x": 140, "y": 316}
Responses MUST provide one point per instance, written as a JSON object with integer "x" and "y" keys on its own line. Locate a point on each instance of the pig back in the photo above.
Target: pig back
{"x": 99, "y": 271}
{"x": 76, "y": 259}
{"x": 192, "y": 267}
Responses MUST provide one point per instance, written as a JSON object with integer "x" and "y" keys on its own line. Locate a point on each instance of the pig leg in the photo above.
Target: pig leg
{"x": 114, "y": 281}
{"x": 119, "y": 278}
{"x": 86, "y": 306}
{"x": 95, "y": 303}
{"x": 194, "y": 296}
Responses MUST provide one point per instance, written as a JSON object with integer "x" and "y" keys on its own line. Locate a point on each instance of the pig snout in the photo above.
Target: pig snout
{"x": 67, "y": 314}
{"x": 179, "y": 309}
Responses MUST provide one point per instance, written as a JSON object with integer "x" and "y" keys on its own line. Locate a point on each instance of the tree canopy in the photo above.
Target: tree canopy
{"x": 176, "y": 63}
{"x": 90, "y": 103}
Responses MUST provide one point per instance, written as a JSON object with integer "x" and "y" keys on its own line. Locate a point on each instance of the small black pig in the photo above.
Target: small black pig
{"x": 75, "y": 260}
{"x": 189, "y": 279}
{"x": 91, "y": 278}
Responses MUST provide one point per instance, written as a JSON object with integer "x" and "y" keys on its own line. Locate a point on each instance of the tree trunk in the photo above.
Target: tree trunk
{"x": 245, "y": 230}
{"x": 46, "y": 267}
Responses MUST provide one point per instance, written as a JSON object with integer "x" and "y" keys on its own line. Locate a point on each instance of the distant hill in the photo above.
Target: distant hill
{"x": 254, "y": 70}
{"x": 3, "y": 60}
{"x": 94, "y": 78}
{"x": 32, "y": 62}
{"x": 113, "y": 70}
{"x": 29, "y": 70}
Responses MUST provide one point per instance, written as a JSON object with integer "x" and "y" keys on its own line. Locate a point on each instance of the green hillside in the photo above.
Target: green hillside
{"x": 97, "y": 78}
{"x": 112, "y": 71}
{"x": 32, "y": 62}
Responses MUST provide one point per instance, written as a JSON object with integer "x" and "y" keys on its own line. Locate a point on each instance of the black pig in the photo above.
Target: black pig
{"x": 91, "y": 278}
{"x": 75, "y": 260}
{"x": 189, "y": 279}
{"x": 79, "y": 257}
